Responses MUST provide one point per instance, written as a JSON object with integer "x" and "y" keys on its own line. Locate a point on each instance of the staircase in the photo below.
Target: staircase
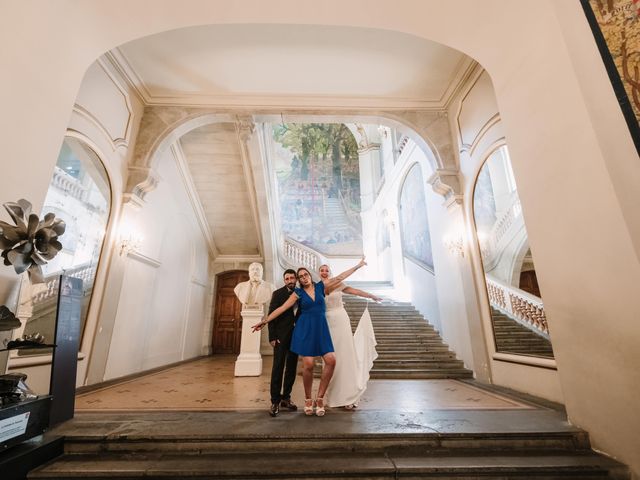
{"x": 511, "y": 337}
{"x": 408, "y": 346}
{"x": 384, "y": 445}
{"x": 336, "y": 217}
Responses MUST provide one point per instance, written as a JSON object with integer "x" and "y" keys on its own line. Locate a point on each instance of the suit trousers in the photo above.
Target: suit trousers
{"x": 285, "y": 363}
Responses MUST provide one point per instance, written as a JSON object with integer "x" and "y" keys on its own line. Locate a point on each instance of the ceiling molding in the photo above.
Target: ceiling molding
{"x": 238, "y": 258}
{"x": 194, "y": 198}
{"x": 290, "y": 102}
{"x": 117, "y": 59}
{"x": 465, "y": 70}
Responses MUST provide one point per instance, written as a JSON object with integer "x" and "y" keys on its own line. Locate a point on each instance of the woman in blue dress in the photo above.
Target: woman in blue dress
{"x": 311, "y": 337}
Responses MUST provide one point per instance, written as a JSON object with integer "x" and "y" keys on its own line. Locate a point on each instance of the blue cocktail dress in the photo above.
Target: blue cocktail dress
{"x": 311, "y": 337}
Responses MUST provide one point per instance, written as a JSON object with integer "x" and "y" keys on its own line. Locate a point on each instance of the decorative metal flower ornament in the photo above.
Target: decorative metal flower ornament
{"x": 8, "y": 320}
{"x": 32, "y": 242}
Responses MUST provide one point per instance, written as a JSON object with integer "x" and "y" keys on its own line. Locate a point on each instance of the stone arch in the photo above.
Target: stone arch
{"x": 161, "y": 126}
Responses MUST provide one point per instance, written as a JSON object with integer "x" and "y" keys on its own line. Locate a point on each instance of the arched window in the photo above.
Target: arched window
{"x": 414, "y": 221}
{"x": 79, "y": 194}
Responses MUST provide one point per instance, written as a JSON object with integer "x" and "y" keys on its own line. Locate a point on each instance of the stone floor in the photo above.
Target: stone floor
{"x": 208, "y": 384}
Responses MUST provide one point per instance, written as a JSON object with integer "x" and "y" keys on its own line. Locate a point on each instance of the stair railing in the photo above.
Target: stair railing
{"x": 526, "y": 309}
{"x": 85, "y": 271}
{"x": 299, "y": 255}
{"x": 502, "y": 232}
{"x": 69, "y": 184}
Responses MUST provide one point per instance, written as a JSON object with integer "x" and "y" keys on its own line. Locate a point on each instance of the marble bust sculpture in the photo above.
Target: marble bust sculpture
{"x": 255, "y": 291}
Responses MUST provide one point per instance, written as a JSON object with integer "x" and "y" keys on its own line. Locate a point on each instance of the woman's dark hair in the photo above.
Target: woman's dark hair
{"x": 289, "y": 270}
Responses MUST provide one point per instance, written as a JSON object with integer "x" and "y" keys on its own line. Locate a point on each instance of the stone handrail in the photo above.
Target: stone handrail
{"x": 51, "y": 282}
{"x": 491, "y": 245}
{"x": 526, "y": 309}
{"x": 506, "y": 220}
{"x": 300, "y": 255}
{"x": 68, "y": 184}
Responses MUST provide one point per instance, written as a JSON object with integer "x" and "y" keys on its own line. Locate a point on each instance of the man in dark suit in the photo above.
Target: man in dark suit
{"x": 285, "y": 362}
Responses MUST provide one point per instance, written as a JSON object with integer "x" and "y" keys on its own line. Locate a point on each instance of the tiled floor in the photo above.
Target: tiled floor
{"x": 209, "y": 385}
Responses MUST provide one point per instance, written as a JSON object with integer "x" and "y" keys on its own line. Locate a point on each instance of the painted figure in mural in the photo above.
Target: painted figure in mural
{"x": 311, "y": 337}
{"x": 355, "y": 353}
{"x": 285, "y": 362}
{"x": 254, "y": 291}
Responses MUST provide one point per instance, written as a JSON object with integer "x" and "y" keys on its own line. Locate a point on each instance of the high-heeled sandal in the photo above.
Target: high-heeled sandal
{"x": 308, "y": 406}
{"x": 320, "y": 407}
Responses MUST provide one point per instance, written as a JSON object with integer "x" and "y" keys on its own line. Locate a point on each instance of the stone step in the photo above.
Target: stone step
{"x": 384, "y": 363}
{"x": 415, "y": 346}
{"x": 423, "y": 373}
{"x": 331, "y": 465}
{"x": 442, "y": 356}
{"x": 298, "y": 439}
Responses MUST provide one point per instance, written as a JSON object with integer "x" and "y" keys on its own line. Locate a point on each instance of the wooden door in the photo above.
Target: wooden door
{"x": 529, "y": 283}
{"x": 227, "y": 321}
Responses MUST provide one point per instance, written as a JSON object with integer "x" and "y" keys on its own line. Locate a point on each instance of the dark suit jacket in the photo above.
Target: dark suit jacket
{"x": 282, "y": 327}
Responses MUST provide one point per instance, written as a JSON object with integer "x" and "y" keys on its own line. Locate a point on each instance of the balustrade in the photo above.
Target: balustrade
{"x": 300, "y": 255}
{"x": 490, "y": 246}
{"x": 86, "y": 272}
{"x": 68, "y": 184}
{"x": 525, "y": 308}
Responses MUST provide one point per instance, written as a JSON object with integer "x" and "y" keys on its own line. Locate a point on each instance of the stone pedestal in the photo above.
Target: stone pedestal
{"x": 249, "y": 362}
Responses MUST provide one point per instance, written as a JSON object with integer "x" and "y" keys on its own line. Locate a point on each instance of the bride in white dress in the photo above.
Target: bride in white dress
{"x": 355, "y": 353}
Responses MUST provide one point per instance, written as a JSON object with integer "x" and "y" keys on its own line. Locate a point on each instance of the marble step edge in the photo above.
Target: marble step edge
{"x": 433, "y": 443}
{"x": 335, "y": 465}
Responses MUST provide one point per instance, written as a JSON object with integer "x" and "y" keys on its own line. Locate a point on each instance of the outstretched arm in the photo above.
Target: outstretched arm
{"x": 277, "y": 312}
{"x": 361, "y": 293}
{"x": 334, "y": 282}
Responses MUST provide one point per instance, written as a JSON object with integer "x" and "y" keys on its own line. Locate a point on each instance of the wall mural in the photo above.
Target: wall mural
{"x": 318, "y": 179}
{"x": 414, "y": 223}
{"x": 616, "y": 27}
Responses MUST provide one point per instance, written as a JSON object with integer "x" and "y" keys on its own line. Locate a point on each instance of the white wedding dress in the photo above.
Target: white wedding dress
{"x": 354, "y": 353}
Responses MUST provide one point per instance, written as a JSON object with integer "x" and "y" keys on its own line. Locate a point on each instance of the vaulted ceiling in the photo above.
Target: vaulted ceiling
{"x": 291, "y": 66}
{"x": 258, "y": 64}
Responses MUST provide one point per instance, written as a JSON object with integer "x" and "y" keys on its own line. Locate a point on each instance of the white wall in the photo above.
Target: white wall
{"x": 161, "y": 316}
{"x": 564, "y": 128}
{"x": 412, "y": 281}
{"x": 159, "y": 312}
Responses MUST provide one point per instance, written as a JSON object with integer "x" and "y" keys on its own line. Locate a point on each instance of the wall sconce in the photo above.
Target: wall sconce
{"x": 129, "y": 239}
{"x": 455, "y": 244}
{"x": 130, "y": 244}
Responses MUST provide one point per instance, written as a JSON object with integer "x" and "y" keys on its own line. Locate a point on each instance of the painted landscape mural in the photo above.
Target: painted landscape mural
{"x": 317, "y": 171}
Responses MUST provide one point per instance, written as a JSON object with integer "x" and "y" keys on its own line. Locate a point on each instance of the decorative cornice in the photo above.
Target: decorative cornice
{"x": 291, "y": 102}
{"x": 446, "y": 182}
{"x": 238, "y": 258}
{"x": 140, "y": 181}
{"x": 245, "y": 126}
